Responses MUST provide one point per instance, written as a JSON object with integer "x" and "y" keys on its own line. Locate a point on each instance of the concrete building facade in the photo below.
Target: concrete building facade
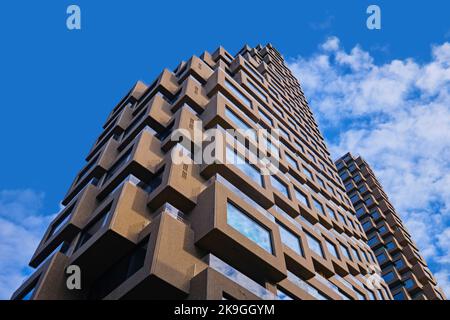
{"x": 403, "y": 268}
{"x": 140, "y": 225}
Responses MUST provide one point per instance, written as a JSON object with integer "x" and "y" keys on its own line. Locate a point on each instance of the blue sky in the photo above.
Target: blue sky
{"x": 53, "y": 79}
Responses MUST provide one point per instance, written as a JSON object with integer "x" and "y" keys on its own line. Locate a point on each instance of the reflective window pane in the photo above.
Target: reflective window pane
{"x": 249, "y": 227}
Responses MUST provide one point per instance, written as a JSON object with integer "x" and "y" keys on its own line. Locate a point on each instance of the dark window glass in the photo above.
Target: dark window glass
{"x": 389, "y": 276}
{"x": 119, "y": 272}
{"x": 118, "y": 164}
{"x": 93, "y": 227}
{"x": 61, "y": 221}
{"x": 399, "y": 296}
{"x": 409, "y": 283}
{"x": 381, "y": 258}
{"x": 165, "y": 132}
{"x": 390, "y": 245}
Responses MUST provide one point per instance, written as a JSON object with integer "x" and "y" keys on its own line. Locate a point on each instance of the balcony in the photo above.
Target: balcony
{"x": 237, "y": 165}
{"x": 220, "y": 280}
{"x": 67, "y": 223}
{"x": 184, "y": 128}
{"x": 142, "y": 160}
{"x": 193, "y": 94}
{"x": 95, "y": 168}
{"x": 116, "y": 223}
{"x": 161, "y": 266}
{"x": 221, "y": 222}
{"x": 197, "y": 68}
{"x": 154, "y": 114}
{"x": 180, "y": 182}
{"x": 48, "y": 282}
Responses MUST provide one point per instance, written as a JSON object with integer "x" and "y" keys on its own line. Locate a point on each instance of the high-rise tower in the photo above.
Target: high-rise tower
{"x": 403, "y": 268}
{"x": 140, "y": 224}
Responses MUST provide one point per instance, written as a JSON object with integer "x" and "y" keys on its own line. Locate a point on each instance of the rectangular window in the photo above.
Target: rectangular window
{"x": 94, "y": 226}
{"x": 61, "y": 221}
{"x": 239, "y": 123}
{"x": 342, "y": 218}
{"x": 273, "y": 148}
{"x": 366, "y": 225}
{"x": 388, "y": 277}
{"x": 266, "y": 117}
{"x": 257, "y": 91}
{"x": 345, "y": 252}
{"x": 332, "y": 213}
{"x": 375, "y": 215}
{"x": 365, "y": 256}
{"x": 318, "y": 207}
{"x": 253, "y": 230}
{"x": 354, "y": 198}
{"x": 290, "y": 239}
{"x": 372, "y": 241}
{"x": 283, "y": 296}
{"x": 390, "y": 245}
{"x": 322, "y": 166}
{"x": 360, "y": 211}
{"x": 302, "y": 198}
{"x": 322, "y": 184}
{"x": 308, "y": 173}
{"x": 306, "y": 286}
{"x": 381, "y": 258}
{"x": 279, "y": 185}
{"x": 356, "y": 254}
{"x": 237, "y": 93}
{"x": 120, "y": 271}
{"x": 349, "y": 186}
{"x": 368, "y": 201}
{"x": 311, "y": 156}
{"x": 332, "y": 249}
{"x": 291, "y": 161}
{"x": 399, "y": 264}
{"x": 118, "y": 164}
{"x": 344, "y": 175}
{"x": 399, "y": 296}
{"x": 362, "y": 189}
{"x": 254, "y": 72}
{"x": 284, "y": 133}
{"x": 299, "y": 146}
{"x": 409, "y": 283}
{"x": 315, "y": 245}
{"x": 236, "y": 159}
{"x": 330, "y": 189}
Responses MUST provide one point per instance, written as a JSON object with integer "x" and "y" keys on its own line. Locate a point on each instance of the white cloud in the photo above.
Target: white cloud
{"x": 332, "y": 44}
{"x": 21, "y": 228}
{"x": 397, "y": 116}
